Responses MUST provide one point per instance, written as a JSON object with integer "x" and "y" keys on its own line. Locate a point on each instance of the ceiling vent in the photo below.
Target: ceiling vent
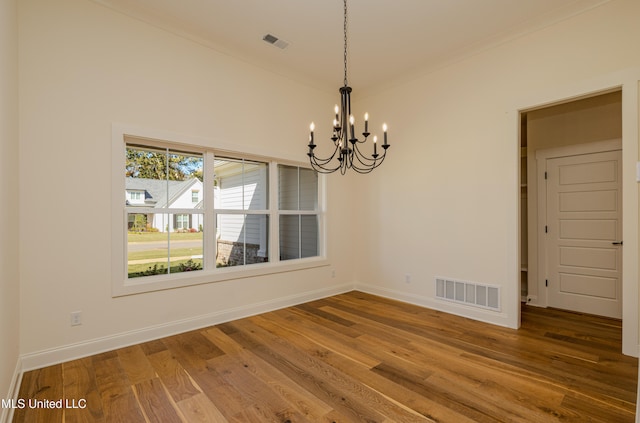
{"x": 275, "y": 41}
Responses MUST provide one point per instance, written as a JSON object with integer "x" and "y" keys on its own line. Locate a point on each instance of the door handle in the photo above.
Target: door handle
{"x": 617, "y": 243}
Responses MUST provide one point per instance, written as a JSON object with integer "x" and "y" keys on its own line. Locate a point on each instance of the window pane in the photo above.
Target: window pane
{"x": 152, "y": 252}
{"x": 255, "y": 186}
{"x": 162, "y": 178}
{"x": 186, "y": 243}
{"x": 147, "y": 248}
{"x": 287, "y": 187}
{"x": 308, "y": 236}
{"x": 289, "y": 237}
{"x": 230, "y": 238}
{"x": 297, "y": 188}
{"x": 242, "y": 239}
{"x": 145, "y": 162}
{"x": 241, "y": 184}
{"x": 146, "y": 184}
{"x": 257, "y": 238}
{"x": 308, "y": 189}
{"x": 185, "y": 177}
{"x": 228, "y": 184}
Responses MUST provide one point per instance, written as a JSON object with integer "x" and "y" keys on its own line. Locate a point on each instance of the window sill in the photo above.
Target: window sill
{"x": 162, "y": 282}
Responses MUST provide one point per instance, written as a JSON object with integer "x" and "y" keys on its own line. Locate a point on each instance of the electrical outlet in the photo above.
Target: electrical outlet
{"x": 76, "y": 318}
{"x": 407, "y": 278}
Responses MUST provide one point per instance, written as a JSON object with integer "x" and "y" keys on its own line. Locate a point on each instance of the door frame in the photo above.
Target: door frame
{"x": 541, "y": 161}
{"x": 564, "y": 90}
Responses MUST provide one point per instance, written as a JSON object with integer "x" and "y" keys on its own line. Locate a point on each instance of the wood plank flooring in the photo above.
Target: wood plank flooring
{"x": 353, "y": 358}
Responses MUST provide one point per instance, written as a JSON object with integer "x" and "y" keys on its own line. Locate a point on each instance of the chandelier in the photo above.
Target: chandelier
{"x": 346, "y": 147}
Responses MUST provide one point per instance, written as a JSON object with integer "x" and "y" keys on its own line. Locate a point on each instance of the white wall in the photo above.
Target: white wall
{"x": 9, "y": 241}
{"x": 84, "y": 67}
{"x": 445, "y": 203}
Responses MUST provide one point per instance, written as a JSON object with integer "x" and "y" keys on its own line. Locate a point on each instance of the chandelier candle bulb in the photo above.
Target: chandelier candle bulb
{"x": 366, "y": 122}
{"x": 375, "y": 143}
{"x": 311, "y": 128}
{"x": 352, "y": 121}
{"x": 384, "y": 128}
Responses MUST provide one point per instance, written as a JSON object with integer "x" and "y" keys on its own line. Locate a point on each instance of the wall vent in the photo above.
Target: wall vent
{"x": 469, "y": 293}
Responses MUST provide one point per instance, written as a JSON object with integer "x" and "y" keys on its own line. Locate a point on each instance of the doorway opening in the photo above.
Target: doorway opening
{"x": 560, "y": 130}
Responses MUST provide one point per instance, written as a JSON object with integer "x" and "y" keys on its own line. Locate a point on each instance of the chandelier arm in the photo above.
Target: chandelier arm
{"x": 336, "y": 149}
{"x": 365, "y": 169}
{"x": 369, "y": 169}
{"x": 328, "y": 159}
{"x": 321, "y": 168}
{"x": 321, "y": 162}
{"x": 362, "y": 158}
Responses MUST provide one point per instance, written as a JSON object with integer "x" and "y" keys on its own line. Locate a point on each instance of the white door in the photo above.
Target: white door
{"x": 584, "y": 226}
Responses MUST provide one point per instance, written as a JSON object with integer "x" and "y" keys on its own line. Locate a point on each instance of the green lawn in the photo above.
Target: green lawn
{"x": 162, "y": 236}
{"x": 162, "y": 253}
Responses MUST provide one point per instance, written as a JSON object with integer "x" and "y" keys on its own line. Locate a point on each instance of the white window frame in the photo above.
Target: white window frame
{"x": 123, "y": 285}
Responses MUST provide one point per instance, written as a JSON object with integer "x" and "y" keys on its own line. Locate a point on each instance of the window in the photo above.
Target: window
{"x": 168, "y": 240}
{"x": 182, "y": 222}
{"x": 192, "y": 215}
{"x": 241, "y": 198}
{"x": 135, "y": 197}
{"x": 298, "y": 205}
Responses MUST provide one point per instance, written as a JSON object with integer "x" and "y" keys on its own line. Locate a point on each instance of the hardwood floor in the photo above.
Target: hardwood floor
{"x": 353, "y": 358}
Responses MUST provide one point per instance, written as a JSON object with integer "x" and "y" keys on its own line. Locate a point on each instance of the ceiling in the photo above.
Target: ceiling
{"x": 389, "y": 40}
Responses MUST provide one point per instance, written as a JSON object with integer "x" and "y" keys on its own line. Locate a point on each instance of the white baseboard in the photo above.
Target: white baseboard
{"x": 487, "y": 316}
{"x": 69, "y": 352}
{"x": 6, "y": 414}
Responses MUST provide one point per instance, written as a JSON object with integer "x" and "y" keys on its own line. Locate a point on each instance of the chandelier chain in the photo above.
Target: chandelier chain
{"x": 345, "y": 43}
